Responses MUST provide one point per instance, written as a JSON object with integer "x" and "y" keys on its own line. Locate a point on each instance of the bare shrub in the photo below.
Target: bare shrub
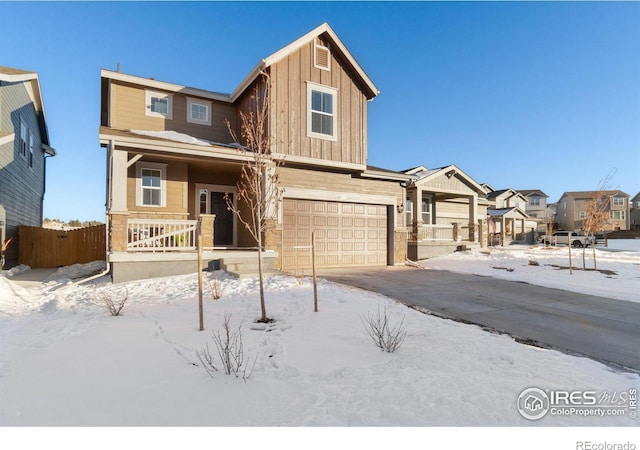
{"x": 115, "y": 307}
{"x": 386, "y": 337}
{"x": 231, "y": 349}
{"x": 216, "y": 288}
{"x": 206, "y": 359}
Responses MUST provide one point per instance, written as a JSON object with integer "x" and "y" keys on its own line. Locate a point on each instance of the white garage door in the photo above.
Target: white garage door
{"x": 346, "y": 234}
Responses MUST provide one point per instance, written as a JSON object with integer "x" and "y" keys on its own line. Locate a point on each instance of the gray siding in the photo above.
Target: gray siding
{"x": 21, "y": 186}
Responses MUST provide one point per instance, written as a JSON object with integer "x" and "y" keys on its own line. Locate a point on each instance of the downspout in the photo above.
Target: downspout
{"x": 110, "y": 147}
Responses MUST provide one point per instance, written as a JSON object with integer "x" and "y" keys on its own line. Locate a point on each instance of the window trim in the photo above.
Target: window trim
{"x": 163, "y": 183}
{"x": 196, "y": 101}
{"x": 325, "y": 90}
{"x": 31, "y": 150}
{"x": 23, "y": 139}
{"x": 149, "y": 95}
{"x": 618, "y": 201}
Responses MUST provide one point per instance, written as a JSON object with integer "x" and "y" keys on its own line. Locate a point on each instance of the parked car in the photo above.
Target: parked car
{"x": 568, "y": 237}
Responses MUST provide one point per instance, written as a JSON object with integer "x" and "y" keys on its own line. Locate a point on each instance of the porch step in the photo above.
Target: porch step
{"x": 246, "y": 266}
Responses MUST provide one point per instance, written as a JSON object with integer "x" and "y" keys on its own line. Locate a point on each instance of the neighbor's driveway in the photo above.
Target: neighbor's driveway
{"x": 604, "y": 329}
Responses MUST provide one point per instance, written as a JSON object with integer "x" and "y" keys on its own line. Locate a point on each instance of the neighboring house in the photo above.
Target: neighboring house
{"x": 538, "y": 210}
{"x": 444, "y": 207}
{"x": 24, "y": 146}
{"x": 635, "y": 212}
{"x": 572, "y": 210}
{"x": 508, "y": 220}
{"x": 171, "y": 161}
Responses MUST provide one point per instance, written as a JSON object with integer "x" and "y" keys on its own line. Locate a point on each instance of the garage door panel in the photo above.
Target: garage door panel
{"x": 346, "y": 234}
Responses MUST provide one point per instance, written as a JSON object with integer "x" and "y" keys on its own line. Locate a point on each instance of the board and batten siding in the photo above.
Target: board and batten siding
{"x": 289, "y": 79}
{"x": 128, "y": 104}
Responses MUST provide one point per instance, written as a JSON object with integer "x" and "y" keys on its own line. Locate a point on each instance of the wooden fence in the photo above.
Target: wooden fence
{"x": 45, "y": 248}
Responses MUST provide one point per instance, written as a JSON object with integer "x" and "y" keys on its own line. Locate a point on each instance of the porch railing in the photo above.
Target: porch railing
{"x": 161, "y": 235}
{"x": 437, "y": 232}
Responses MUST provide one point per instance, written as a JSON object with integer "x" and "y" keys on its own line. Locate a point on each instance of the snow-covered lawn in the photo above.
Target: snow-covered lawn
{"x": 65, "y": 361}
{"x": 617, "y": 275}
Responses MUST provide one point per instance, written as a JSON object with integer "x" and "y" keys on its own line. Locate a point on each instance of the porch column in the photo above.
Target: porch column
{"x": 503, "y": 229}
{"x": 473, "y": 217}
{"x": 414, "y": 233}
{"x": 206, "y": 229}
{"x": 118, "y": 185}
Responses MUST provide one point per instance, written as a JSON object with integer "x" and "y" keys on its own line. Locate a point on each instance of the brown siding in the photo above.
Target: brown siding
{"x": 289, "y": 106}
{"x": 340, "y": 182}
{"x": 128, "y": 113}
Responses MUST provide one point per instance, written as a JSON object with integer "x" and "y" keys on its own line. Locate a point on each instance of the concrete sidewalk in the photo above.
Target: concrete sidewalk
{"x": 600, "y": 328}
{"x": 32, "y": 277}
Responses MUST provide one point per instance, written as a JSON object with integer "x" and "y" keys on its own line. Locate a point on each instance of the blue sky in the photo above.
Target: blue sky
{"x": 528, "y": 95}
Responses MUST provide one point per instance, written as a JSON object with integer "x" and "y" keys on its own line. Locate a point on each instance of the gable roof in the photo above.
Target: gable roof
{"x": 12, "y": 75}
{"x": 496, "y": 194}
{"x": 513, "y": 212}
{"x": 587, "y": 194}
{"x": 370, "y": 88}
{"x": 423, "y": 175}
{"x": 527, "y": 192}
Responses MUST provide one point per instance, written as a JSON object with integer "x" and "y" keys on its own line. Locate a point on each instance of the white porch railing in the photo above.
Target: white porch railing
{"x": 437, "y": 233}
{"x": 161, "y": 235}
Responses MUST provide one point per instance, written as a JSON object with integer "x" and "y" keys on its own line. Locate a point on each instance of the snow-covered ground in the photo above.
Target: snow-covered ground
{"x": 617, "y": 275}
{"x": 65, "y": 361}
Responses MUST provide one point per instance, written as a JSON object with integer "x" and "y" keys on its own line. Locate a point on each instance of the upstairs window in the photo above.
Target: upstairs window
{"x": 618, "y": 201}
{"x": 151, "y": 184}
{"x": 31, "y": 150}
{"x": 534, "y": 201}
{"x": 321, "y": 117}
{"x": 22, "y": 142}
{"x": 159, "y": 104}
{"x": 198, "y": 111}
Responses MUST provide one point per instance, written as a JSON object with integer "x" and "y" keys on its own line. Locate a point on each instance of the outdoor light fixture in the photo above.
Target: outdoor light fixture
{"x": 400, "y": 207}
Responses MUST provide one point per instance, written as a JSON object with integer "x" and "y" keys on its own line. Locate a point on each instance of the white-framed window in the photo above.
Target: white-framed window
{"x": 617, "y": 215}
{"x": 322, "y": 111}
{"x": 618, "y": 201}
{"x": 151, "y": 184}
{"x": 534, "y": 201}
{"x": 24, "y": 136}
{"x": 198, "y": 111}
{"x": 426, "y": 209}
{"x": 31, "y": 150}
{"x": 159, "y": 104}
{"x": 321, "y": 57}
{"x": 409, "y": 211}
{"x": 582, "y": 214}
{"x": 638, "y": 204}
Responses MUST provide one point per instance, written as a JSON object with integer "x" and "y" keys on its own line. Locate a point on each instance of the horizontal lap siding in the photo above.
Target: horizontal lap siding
{"x": 128, "y": 103}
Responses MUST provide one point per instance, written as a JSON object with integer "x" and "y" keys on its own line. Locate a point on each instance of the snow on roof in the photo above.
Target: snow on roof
{"x": 180, "y": 137}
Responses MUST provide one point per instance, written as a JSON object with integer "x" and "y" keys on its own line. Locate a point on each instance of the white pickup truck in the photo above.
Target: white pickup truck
{"x": 568, "y": 237}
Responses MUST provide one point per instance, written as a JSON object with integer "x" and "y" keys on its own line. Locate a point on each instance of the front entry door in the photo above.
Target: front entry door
{"x": 223, "y": 224}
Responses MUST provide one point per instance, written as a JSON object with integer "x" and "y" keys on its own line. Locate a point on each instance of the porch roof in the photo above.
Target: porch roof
{"x": 508, "y": 213}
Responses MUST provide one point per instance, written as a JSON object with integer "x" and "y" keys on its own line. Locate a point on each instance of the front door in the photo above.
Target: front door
{"x": 211, "y": 200}
{"x": 223, "y": 224}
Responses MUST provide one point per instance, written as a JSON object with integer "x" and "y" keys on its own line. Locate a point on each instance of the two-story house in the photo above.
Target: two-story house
{"x": 24, "y": 146}
{"x": 572, "y": 209}
{"x": 635, "y": 212}
{"x": 538, "y": 210}
{"x": 508, "y": 220}
{"x": 171, "y": 160}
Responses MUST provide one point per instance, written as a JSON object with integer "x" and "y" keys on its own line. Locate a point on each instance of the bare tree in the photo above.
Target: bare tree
{"x": 597, "y": 213}
{"x": 258, "y": 187}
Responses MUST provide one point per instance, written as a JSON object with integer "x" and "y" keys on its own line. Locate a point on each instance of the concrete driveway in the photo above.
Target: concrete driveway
{"x": 600, "y": 328}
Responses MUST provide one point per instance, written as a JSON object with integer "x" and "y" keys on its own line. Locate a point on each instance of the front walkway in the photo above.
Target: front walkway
{"x": 603, "y": 329}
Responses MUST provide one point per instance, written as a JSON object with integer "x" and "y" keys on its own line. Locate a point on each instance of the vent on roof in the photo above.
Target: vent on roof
{"x": 322, "y": 57}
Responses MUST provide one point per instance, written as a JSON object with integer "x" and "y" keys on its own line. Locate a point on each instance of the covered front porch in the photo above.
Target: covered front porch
{"x": 161, "y": 205}
{"x": 444, "y": 211}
